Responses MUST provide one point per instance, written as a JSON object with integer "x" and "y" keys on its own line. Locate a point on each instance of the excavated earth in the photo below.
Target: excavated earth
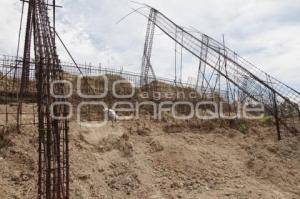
{"x": 161, "y": 160}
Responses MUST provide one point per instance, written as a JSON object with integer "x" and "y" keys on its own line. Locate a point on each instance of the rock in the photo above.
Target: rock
{"x": 175, "y": 185}
{"x": 239, "y": 186}
{"x": 250, "y": 163}
{"x": 26, "y": 176}
{"x": 101, "y": 148}
{"x": 143, "y": 132}
{"x": 15, "y": 178}
{"x": 13, "y": 151}
{"x": 101, "y": 170}
{"x": 84, "y": 176}
{"x": 156, "y": 146}
{"x": 125, "y": 137}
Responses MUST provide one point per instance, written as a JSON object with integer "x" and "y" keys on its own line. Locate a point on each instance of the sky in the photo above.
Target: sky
{"x": 265, "y": 32}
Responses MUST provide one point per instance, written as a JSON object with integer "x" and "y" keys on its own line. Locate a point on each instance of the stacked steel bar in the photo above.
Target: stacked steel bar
{"x": 53, "y": 168}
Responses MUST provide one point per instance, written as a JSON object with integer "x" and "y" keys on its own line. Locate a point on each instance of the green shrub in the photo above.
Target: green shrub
{"x": 267, "y": 120}
{"x": 243, "y": 128}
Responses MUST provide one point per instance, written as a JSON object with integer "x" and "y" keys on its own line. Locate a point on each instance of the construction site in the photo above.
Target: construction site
{"x": 232, "y": 133}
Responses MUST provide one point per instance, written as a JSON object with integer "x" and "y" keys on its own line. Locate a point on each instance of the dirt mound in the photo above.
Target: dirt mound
{"x": 201, "y": 160}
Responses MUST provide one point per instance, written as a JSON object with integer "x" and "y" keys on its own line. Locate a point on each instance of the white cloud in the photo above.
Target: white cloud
{"x": 264, "y": 31}
{"x": 9, "y": 22}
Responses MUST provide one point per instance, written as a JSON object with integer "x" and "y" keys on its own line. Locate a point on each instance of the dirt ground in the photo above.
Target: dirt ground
{"x": 161, "y": 160}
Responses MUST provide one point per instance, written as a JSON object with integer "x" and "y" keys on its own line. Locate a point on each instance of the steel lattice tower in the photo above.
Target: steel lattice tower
{"x": 219, "y": 64}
